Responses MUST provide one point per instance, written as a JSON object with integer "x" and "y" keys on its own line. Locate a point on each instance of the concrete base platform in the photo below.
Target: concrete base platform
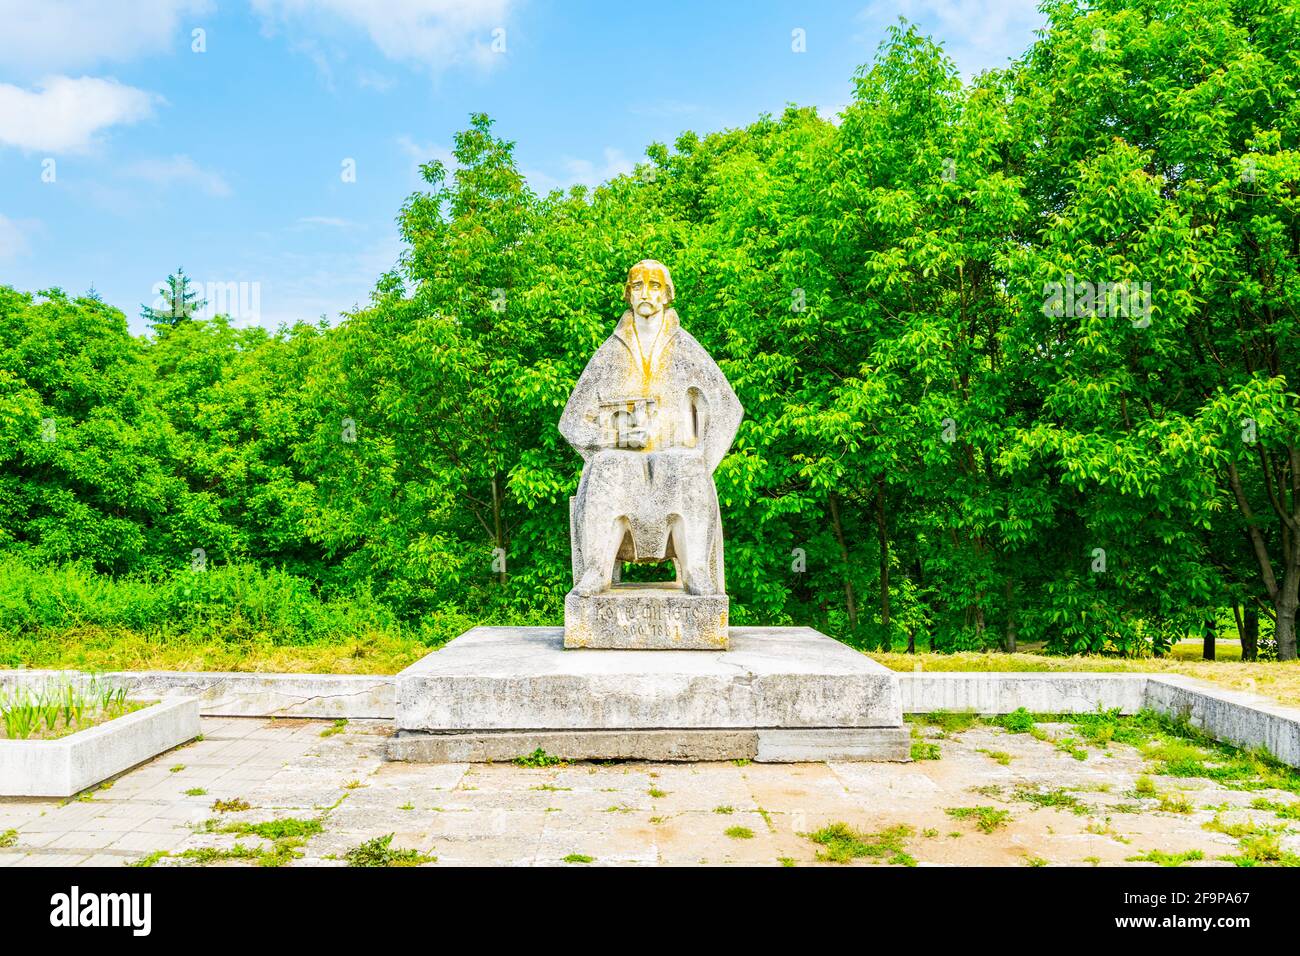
{"x": 779, "y": 694}
{"x": 762, "y": 746}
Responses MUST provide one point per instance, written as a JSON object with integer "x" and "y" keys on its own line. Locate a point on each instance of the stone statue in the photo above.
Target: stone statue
{"x": 652, "y": 416}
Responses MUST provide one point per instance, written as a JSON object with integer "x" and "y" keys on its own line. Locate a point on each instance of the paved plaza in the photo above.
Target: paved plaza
{"x": 991, "y": 798}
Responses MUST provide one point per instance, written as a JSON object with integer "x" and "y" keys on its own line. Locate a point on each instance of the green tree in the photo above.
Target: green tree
{"x": 179, "y": 303}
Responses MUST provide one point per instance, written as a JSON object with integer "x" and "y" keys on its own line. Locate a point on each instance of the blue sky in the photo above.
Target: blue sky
{"x": 124, "y": 152}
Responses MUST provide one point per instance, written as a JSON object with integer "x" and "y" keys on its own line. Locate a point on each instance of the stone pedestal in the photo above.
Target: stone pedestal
{"x": 778, "y": 694}
{"x": 646, "y": 617}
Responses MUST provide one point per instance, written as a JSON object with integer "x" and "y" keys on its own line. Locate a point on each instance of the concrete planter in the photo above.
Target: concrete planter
{"x": 63, "y": 767}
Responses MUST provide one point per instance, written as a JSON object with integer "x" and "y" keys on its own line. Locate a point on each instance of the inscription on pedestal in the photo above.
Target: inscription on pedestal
{"x": 646, "y": 619}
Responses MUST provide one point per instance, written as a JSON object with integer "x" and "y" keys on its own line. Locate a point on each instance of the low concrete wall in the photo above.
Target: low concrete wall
{"x": 63, "y": 767}
{"x": 999, "y": 692}
{"x": 354, "y": 696}
{"x": 238, "y": 694}
{"x": 1235, "y": 717}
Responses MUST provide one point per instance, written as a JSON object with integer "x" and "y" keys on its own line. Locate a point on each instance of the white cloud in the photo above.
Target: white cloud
{"x": 571, "y": 170}
{"x": 421, "y": 153}
{"x": 585, "y": 171}
{"x": 430, "y": 34}
{"x": 13, "y": 238}
{"x": 301, "y": 287}
{"x": 319, "y": 58}
{"x": 54, "y": 35}
{"x": 370, "y": 80}
{"x": 581, "y": 171}
{"x": 66, "y": 113}
{"x": 179, "y": 170}
{"x": 832, "y": 114}
{"x": 977, "y": 34}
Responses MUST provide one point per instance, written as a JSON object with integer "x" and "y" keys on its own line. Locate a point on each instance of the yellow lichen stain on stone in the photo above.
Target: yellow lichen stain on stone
{"x": 721, "y": 638}
{"x": 576, "y": 635}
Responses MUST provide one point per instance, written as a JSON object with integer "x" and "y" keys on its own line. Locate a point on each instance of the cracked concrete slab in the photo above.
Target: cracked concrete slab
{"x": 641, "y": 813}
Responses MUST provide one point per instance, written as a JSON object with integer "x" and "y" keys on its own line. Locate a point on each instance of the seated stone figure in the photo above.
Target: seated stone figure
{"x": 652, "y": 416}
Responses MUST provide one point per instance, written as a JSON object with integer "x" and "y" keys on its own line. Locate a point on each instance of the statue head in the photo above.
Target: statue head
{"x": 649, "y": 288}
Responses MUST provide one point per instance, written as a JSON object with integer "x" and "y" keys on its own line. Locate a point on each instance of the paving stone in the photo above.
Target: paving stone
{"x": 504, "y": 815}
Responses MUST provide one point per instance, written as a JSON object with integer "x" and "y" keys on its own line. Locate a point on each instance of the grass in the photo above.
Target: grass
{"x": 1176, "y": 749}
{"x": 1263, "y": 849}
{"x": 281, "y": 829}
{"x": 1106, "y": 830}
{"x": 987, "y": 819}
{"x": 1287, "y": 811}
{"x": 950, "y": 722}
{"x": 379, "y": 852}
{"x": 233, "y": 805}
{"x": 1246, "y": 828}
{"x": 286, "y": 835}
{"x": 1071, "y": 746}
{"x": 335, "y": 728}
{"x": 724, "y": 809}
{"x": 1172, "y": 802}
{"x": 1173, "y": 748}
{"x": 1019, "y": 721}
{"x": 112, "y": 649}
{"x": 1277, "y": 679}
{"x": 925, "y": 750}
{"x": 538, "y": 758}
{"x": 1000, "y": 756}
{"x": 206, "y": 855}
{"x": 1059, "y": 798}
{"x": 56, "y": 710}
{"x": 8, "y": 838}
{"x": 841, "y": 843}
{"x": 196, "y": 792}
{"x": 579, "y": 858}
{"x": 1167, "y": 859}
{"x": 739, "y": 833}
{"x": 231, "y": 617}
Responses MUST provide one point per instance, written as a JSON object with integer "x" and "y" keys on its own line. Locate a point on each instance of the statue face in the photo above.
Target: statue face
{"x": 647, "y": 291}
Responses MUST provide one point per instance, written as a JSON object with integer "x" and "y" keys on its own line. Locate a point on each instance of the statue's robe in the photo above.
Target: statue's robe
{"x": 651, "y": 421}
